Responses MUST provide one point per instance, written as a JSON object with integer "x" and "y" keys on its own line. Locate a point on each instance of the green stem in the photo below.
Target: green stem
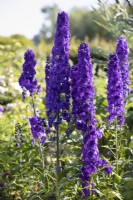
{"x": 41, "y": 152}
{"x": 33, "y": 105}
{"x": 116, "y": 143}
{"x": 57, "y": 164}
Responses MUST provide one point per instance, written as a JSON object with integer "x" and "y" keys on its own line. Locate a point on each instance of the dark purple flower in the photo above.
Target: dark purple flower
{"x": 48, "y": 131}
{"x": 93, "y": 187}
{"x": 122, "y": 52}
{"x": 43, "y": 122}
{"x": 27, "y": 80}
{"x": 68, "y": 132}
{"x": 2, "y": 185}
{"x": 115, "y": 91}
{"x": 86, "y": 191}
{"x": 54, "y": 138}
{"x": 101, "y": 163}
{"x": 37, "y": 129}
{"x": 6, "y": 174}
{"x": 57, "y": 74}
{"x": 58, "y": 168}
{"x": 108, "y": 169}
{"x": 83, "y": 111}
{"x": 99, "y": 133}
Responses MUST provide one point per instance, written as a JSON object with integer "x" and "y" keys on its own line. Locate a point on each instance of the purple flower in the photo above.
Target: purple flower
{"x": 57, "y": 74}
{"x": 2, "y": 185}
{"x": 27, "y": 80}
{"x": 115, "y": 91}
{"x": 6, "y": 174}
{"x": 122, "y": 52}
{"x": 108, "y": 169}
{"x": 58, "y": 168}
{"x": 99, "y": 133}
{"x": 93, "y": 186}
{"x": 68, "y": 132}
{"x": 37, "y": 129}
{"x": 101, "y": 163}
{"x": 1, "y": 110}
{"x": 83, "y": 111}
{"x": 86, "y": 191}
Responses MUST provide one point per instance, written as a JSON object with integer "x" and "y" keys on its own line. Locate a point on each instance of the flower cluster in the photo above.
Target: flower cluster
{"x": 82, "y": 90}
{"x": 27, "y": 79}
{"x": 83, "y": 111}
{"x": 84, "y": 114}
{"x": 37, "y": 129}
{"x": 122, "y": 53}
{"x": 115, "y": 90}
{"x": 57, "y": 74}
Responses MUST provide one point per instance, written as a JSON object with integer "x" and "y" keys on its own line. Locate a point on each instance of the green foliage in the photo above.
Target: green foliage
{"x": 23, "y": 40}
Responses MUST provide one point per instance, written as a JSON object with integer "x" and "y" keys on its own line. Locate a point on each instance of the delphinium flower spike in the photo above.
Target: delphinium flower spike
{"x": 83, "y": 111}
{"x": 122, "y": 52}
{"x": 27, "y": 80}
{"x": 57, "y": 74}
{"x": 57, "y": 83}
{"x": 115, "y": 91}
{"x": 37, "y": 129}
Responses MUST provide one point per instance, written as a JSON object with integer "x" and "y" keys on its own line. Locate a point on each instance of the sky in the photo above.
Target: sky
{"x": 25, "y": 17}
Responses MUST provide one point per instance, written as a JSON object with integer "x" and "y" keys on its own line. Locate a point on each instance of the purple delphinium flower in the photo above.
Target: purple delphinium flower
{"x": 115, "y": 91}
{"x": 93, "y": 187}
{"x": 108, "y": 169}
{"x": 48, "y": 86}
{"x": 122, "y": 52}
{"x": 86, "y": 191}
{"x": 37, "y": 129}
{"x": 83, "y": 111}
{"x": 68, "y": 132}
{"x": 27, "y": 80}
{"x": 57, "y": 74}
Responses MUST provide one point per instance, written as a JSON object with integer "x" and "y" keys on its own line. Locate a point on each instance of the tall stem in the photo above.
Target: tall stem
{"x": 57, "y": 153}
{"x": 116, "y": 143}
{"x": 33, "y": 105}
{"x": 57, "y": 163}
{"x": 40, "y": 147}
{"x": 41, "y": 152}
